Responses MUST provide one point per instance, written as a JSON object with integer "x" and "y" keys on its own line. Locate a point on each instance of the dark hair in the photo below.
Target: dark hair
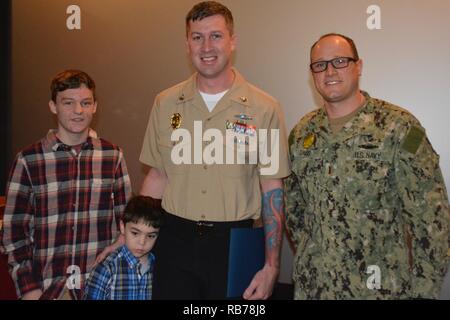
{"x": 207, "y": 9}
{"x": 349, "y": 41}
{"x": 142, "y": 209}
{"x": 71, "y": 79}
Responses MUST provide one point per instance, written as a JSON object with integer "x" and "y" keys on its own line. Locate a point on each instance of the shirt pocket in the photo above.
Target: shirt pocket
{"x": 368, "y": 183}
{"x": 102, "y": 184}
{"x": 242, "y": 163}
{"x": 176, "y": 156}
{"x": 49, "y": 197}
{"x": 367, "y": 172}
{"x": 309, "y": 167}
{"x": 101, "y": 193}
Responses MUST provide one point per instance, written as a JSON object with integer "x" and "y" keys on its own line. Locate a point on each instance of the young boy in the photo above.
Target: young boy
{"x": 126, "y": 274}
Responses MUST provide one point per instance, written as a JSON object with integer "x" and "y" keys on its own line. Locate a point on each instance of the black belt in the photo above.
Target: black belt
{"x": 202, "y": 227}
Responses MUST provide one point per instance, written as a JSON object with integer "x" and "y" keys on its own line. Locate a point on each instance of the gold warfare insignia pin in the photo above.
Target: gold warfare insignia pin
{"x": 309, "y": 141}
{"x": 175, "y": 121}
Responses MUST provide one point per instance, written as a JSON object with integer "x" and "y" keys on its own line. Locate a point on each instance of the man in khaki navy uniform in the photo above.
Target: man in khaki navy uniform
{"x": 204, "y": 200}
{"x": 366, "y": 203}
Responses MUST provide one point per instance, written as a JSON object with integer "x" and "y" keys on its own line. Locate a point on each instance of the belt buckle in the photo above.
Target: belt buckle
{"x": 203, "y": 226}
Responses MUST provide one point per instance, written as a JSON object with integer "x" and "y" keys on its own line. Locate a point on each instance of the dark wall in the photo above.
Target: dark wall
{"x": 5, "y": 92}
{"x": 130, "y": 59}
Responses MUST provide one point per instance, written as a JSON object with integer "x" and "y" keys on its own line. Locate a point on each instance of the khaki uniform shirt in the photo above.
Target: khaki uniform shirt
{"x": 197, "y": 190}
{"x": 367, "y": 207}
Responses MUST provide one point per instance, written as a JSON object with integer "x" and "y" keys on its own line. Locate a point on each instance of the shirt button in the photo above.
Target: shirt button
{"x": 205, "y": 167}
{"x": 203, "y": 216}
{"x": 204, "y": 191}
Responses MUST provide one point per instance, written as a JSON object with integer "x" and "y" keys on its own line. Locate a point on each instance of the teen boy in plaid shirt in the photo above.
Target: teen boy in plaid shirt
{"x": 65, "y": 195}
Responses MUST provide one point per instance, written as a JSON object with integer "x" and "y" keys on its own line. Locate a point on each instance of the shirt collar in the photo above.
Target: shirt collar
{"x": 323, "y": 122}
{"x": 364, "y": 115}
{"x": 132, "y": 261}
{"x": 54, "y": 144}
{"x": 239, "y": 91}
{"x": 364, "y": 119}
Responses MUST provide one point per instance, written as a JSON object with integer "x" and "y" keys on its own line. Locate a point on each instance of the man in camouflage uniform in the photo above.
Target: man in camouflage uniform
{"x": 366, "y": 203}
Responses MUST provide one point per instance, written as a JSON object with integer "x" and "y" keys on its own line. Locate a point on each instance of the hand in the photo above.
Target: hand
{"x": 119, "y": 242}
{"x": 32, "y": 295}
{"x": 262, "y": 284}
{"x": 103, "y": 255}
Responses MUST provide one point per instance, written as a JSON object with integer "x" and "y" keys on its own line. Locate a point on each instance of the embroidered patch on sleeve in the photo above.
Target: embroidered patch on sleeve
{"x": 413, "y": 139}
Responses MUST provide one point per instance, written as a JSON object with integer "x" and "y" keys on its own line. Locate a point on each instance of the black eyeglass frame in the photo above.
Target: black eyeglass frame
{"x": 332, "y": 61}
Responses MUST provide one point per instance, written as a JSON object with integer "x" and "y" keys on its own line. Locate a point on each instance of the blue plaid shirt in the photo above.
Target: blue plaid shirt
{"x": 118, "y": 277}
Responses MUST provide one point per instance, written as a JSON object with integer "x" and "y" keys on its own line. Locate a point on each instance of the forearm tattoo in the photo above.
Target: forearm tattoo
{"x": 273, "y": 210}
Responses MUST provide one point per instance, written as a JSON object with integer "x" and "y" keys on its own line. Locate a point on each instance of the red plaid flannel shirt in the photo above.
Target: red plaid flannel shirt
{"x": 62, "y": 210}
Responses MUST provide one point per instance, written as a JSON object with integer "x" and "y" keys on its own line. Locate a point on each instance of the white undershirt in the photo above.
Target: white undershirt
{"x": 211, "y": 100}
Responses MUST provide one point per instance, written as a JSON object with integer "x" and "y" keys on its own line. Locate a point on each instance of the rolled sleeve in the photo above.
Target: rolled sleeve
{"x": 276, "y": 143}
{"x": 150, "y": 154}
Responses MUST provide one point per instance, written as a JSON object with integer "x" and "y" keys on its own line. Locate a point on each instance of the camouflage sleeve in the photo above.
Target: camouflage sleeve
{"x": 294, "y": 208}
{"x": 425, "y": 213}
{"x": 294, "y": 202}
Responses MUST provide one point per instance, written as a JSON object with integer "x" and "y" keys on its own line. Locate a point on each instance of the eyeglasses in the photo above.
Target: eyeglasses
{"x": 338, "y": 63}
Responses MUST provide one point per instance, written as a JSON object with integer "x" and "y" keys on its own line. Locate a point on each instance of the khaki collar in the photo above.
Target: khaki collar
{"x": 239, "y": 91}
